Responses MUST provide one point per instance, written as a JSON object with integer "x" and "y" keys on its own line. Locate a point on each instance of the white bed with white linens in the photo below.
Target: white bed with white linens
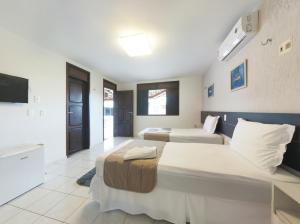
{"x": 208, "y": 183}
{"x": 198, "y": 135}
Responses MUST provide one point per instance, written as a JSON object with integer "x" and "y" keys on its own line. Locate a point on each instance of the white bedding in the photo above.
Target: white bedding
{"x": 197, "y": 135}
{"x": 195, "y": 182}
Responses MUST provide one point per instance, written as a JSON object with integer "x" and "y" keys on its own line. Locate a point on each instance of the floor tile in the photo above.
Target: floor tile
{"x": 77, "y": 162}
{"x": 46, "y": 203}
{"x": 78, "y": 156}
{"x": 29, "y": 198}
{"x": 49, "y": 177}
{"x": 65, "y": 208}
{"x": 61, "y": 184}
{"x": 113, "y": 217}
{"x": 67, "y": 162}
{"x": 88, "y": 157}
{"x": 68, "y": 186}
{"x": 86, "y": 214}
{"x": 7, "y": 212}
{"x": 82, "y": 191}
{"x": 45, "y": 220}
{"x": 55, "y": 169}
{"x": 74, "y": 172}
{"x": 54, "y": 183}
{"x": 23, "y": 217}
{"x": 85, "y": 164}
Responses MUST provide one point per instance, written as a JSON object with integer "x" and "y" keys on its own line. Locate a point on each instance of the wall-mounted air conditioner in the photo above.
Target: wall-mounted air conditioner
{"x": 240, "y": 35}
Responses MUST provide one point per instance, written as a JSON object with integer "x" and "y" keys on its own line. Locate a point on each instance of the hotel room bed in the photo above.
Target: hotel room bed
{"x": 197, "y": 135}
{"x": 200, "y": 183}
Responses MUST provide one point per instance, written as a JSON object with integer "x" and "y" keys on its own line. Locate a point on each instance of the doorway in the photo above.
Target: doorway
{"x": 124, "y": 113}
{"x": 109, "y": 91}
{"x": 77, "y": 111}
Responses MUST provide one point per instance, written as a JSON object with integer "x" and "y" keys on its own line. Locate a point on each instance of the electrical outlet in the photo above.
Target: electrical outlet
{"x": 285, "y": 47}
{"x": 42, "y": 113}
{"x": 30, "y": 113}
{"x": 37, "y": 99}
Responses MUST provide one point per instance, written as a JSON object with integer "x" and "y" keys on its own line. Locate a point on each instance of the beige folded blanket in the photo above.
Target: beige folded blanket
{"x": 157, "y": 136}
{"x": 137, "y": 175}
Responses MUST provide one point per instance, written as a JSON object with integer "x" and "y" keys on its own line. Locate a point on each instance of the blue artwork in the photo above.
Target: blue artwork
{"x": 239, "y": 77}
{"x": 211, "y": 90}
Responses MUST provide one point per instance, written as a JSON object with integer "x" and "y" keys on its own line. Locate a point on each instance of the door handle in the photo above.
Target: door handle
{"x": 70, "y": 112}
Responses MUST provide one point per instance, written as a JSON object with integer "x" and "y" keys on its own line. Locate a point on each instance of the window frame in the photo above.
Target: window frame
{"x": 172, "y": 92}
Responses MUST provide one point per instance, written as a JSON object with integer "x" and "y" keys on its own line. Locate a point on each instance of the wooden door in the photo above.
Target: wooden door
{"x": 124, "y": 113}
{"x": 77, "y": 112}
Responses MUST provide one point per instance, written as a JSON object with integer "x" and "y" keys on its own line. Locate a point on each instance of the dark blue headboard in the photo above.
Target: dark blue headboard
{"x": 292, "y": 155}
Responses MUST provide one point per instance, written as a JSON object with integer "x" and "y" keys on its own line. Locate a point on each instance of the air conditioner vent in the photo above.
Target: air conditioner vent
{"x": 243, "y": 31}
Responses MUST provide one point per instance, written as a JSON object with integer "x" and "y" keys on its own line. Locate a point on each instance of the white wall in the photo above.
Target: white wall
{"x": 46, "y": 72}
{"x": 273, "y": 80}
{"x": 190, "y": 96}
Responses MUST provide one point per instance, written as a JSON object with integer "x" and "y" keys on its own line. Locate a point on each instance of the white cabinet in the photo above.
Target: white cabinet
{"x": 286, "y": 203}
{"x": 21, "y": 169}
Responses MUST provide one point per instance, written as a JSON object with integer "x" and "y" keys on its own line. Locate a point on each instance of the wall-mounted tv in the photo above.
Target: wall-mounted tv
{"x": 13, "y": 89}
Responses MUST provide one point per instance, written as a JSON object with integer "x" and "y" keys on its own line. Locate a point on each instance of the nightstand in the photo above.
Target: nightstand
{"x": 286, "y": 203}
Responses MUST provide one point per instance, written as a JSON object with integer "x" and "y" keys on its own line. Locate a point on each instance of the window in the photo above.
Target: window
{"x": 157, "y": 102}
{"x": 158, "y": 98}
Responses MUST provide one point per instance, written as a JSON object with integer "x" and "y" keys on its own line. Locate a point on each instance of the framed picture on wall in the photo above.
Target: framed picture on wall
{"x": 211, "y": 90}
{"x": 239, "y": 77}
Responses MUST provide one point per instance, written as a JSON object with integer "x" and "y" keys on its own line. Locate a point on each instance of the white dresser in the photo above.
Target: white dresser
{"x": 21, "y": 169}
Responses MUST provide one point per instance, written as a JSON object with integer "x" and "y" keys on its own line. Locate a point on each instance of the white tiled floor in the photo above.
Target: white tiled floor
{"x": 62, "y": 200}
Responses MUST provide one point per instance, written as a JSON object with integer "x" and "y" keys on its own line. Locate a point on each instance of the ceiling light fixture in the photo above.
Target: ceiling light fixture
{"x": 136, "y": 45}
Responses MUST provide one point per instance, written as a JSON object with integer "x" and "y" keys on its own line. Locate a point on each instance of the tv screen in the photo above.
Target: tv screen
{"x": 13, "y": 89}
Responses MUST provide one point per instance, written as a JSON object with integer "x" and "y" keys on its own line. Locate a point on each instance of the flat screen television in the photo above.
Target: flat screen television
{"x": 13, "y": 89}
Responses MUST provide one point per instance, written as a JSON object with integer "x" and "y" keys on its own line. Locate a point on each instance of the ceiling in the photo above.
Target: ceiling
{"x": 185, "y": 33}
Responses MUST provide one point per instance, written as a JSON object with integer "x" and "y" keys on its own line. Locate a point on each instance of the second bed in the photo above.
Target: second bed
{"x": 197, "y": 135}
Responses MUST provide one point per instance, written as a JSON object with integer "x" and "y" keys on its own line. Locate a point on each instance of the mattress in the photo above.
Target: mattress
{"x": 196, "y": 135}
{"x": 195, "y": 181}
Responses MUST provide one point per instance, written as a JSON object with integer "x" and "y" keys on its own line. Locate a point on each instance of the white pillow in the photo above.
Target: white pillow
{"x": 262, "y": 144}
{"x": 210, "y": 124}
